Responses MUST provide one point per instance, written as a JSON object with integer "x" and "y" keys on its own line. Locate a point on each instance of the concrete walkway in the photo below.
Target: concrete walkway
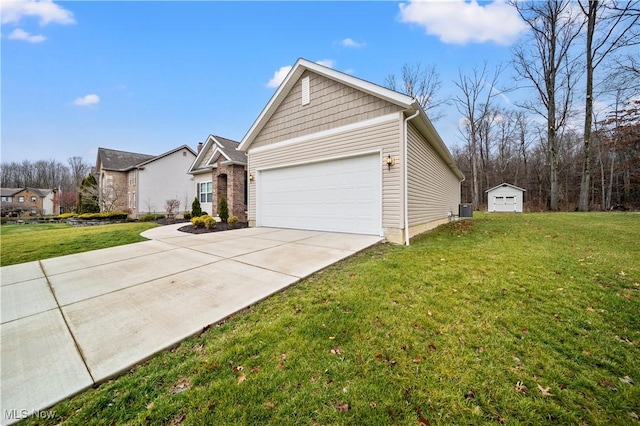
{"x": 73, "y": 321}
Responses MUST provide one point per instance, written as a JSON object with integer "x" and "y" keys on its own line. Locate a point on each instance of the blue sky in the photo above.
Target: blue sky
{"x": 150, "y": 76}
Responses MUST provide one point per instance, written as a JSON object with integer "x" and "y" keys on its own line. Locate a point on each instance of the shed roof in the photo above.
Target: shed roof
{"x": 506, "y": 184}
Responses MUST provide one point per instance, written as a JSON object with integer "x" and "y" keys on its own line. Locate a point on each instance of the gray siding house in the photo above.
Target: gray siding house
{"x": 333, "y": 152}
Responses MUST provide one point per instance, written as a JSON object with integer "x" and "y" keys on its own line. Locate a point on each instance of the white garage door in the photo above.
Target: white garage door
{"x": 341, "y": 195}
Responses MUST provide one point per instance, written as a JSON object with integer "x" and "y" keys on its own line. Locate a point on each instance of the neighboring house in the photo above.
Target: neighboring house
{"x": 30, "y": 201}
{"x": 505, "y": 198}
{"x": 333, "y": 152}
{"x": 221, "y": 170}
{"x": 141, "y": 183}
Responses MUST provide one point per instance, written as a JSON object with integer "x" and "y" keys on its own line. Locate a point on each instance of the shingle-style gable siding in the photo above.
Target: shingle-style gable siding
{"x": 332, "y": 105}
{"x": 202, "y": 163}
{"x": 433, "y": 188}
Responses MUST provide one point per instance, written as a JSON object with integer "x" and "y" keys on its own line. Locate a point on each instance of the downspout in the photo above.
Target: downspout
{"x": 406, "y": 179}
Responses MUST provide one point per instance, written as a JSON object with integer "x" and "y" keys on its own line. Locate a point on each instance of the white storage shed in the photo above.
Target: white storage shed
{"x": 505, "y": 198}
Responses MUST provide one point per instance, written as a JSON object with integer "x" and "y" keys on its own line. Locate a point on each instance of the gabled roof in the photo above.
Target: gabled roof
{"x": 506, "y": 184}
{"x": 122, "y": 161}
{"x": 409, "y": 104}
{"x": 10, "y": 192}
{"x": 166, "y": 154}
{"x": 212, "y": 149}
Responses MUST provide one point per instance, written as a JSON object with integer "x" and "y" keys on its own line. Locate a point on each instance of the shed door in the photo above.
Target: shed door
{"x": 504, "y": 203}
{"x": 342, "y": 195}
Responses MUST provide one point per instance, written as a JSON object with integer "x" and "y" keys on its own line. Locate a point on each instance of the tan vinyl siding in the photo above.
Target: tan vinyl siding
{"x": 384, "y": 137}
{"x": 332, "y": 104}
{"x": 205, "y": 157}
{"x": 433, "y": 189}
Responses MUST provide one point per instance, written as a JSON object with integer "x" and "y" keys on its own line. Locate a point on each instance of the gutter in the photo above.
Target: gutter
{"x": 406, "y": 178}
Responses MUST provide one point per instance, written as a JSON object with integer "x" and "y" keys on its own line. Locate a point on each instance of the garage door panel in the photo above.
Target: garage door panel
{"x": 340, "y": 195}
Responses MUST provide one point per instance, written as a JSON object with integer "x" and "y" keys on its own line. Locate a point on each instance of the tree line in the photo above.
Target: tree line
{"x": 574, "y": 51}
{"x": 47, "y": 174}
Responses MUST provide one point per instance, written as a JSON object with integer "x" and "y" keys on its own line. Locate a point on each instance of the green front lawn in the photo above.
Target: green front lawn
{"x": 26, "y": 243}
{"x": 516, "y": 319}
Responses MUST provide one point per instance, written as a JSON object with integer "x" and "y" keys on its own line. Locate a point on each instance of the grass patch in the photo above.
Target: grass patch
{"x": 515, "y": 319}
{"x": 26, "y": 243}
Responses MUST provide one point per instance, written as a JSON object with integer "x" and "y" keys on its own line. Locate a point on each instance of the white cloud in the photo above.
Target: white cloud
{"x": 281, "y": 73}
{"x": 461, "y": 22}
{"x": 329, "y": 63}
{"x": 20, "y": 34}
{"x": 86, "y": 100}
{"x": 46, "y": 10}
{"x": 349, "y": 42}
{"x": 279, "y": 76}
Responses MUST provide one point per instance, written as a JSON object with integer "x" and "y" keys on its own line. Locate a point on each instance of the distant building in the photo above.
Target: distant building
{"x": 30, "y": 201}
{"x": 141, "y": 183}
{"x": 505, "y": 198}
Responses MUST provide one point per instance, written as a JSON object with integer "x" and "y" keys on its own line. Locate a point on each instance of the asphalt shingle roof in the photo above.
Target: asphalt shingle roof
{"x": 229, "y": 148}
{"x": 112, "y": 159}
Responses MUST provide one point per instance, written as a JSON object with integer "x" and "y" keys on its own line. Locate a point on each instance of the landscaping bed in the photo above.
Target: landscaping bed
{"x": 220, "y": 226}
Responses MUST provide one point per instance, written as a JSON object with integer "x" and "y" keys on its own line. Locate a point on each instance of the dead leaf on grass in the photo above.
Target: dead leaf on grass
{"x": 373, "y": 404}
{"x": 336, "y": 351}
{"x": 237, "y": 368}
{"x": 283, "y": 358}
{"x": 520, "y": 388}
{"x": 590, "y": 309}
{"x": 517, "y": 361}
{"x": 270, "y": 405}
{"x": 180, "y": 387}
{"x": 470, "y": 394}
{"x": 255, "y": 369}
{"x": 417, "y": 360}
{"x": 178, "y": 420}
{"x": 634, "y": 415}
{"x": 627, "y": 296}
{"x": 607, "y": 383}
{"x": 241, "y": 378}
{"x": 624, "y": 340}
{"x": 432, "y": 346}
{"x": 545, "y": 391}
{"x": 342, "y": 408}
{"x": 626, "y": 379}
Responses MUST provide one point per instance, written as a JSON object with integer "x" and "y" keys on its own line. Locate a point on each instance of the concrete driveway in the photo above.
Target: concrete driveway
{"x": 73, "y": 321}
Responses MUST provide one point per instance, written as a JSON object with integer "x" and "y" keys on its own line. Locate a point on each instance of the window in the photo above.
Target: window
{"x": 21, "y": 199}
{"x": 34, "y": 199}
{"x": 499, "y": 200}
{"x": 205, "y": 192}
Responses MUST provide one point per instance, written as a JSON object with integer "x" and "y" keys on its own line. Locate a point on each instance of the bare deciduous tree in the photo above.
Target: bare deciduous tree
{"x": 422, "y": 83}
{"x": 475, "y": 104}
{"x": 543, "y": 60}
{"x": 610, "y": 26}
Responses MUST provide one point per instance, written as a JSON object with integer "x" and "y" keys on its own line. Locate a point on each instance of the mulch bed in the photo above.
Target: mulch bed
{"x": 220, "y": 226}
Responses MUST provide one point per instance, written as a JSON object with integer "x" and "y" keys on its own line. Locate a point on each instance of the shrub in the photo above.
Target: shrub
{"x": 103, "y": 216}
{"x": 196, "y": 210}
{"x": 204, "y": 214}
{"x": 223, "y": 209}
{"x": 197, "y": 221}
{"x": 150, "y": 217}
{"x": 187, "y": 215}
{"x": 209, "y": 222}
{"x": 64, "y": 216}
{"x": 232, "y": 221}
